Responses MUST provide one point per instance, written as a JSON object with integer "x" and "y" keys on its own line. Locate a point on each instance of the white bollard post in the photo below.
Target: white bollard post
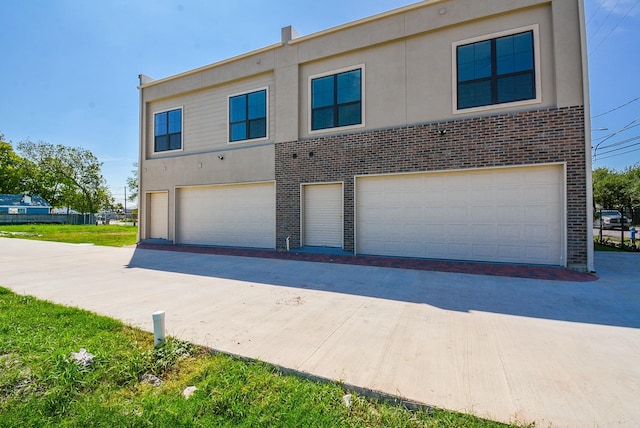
{"x": 158, "y": 328}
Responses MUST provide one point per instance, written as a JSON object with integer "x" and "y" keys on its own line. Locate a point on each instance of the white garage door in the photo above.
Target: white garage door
{"x": 322, "y": 215}
{"x": 510, "y": 215}
{"x": 240, "y": 215}
{"x": 159, "y": 215}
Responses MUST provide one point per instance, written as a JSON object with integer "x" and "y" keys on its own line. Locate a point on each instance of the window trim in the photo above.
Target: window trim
{"x": 536, "y": 69}
{"x": 312, "y": 77}
{"x": 153, "y": 130}
{"x": 228, "y": 121}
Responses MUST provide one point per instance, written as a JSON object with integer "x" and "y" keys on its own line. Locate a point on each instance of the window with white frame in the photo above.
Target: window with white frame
{"x": 248, "y": 116}
{"x": 498, "y": 70}
{"x": 336, "y": 100}
{"x": 168, "y": 130}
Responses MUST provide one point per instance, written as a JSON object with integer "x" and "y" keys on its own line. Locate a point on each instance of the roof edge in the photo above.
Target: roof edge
{"x": 366, "y": 20}
{"x": 210, "y": 66}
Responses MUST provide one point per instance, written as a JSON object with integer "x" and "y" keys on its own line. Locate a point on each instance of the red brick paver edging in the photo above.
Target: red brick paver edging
{"x": 550, "y": 273}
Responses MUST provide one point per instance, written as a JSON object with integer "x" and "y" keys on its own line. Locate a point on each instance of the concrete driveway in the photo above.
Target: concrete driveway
{"x": 562, "y": 354}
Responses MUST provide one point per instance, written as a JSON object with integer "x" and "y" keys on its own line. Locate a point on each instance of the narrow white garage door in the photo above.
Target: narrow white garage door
{"x": 240, "y": 215}
{"x": 159, "y": 215}
{"x": 512, "y": 215}
{"x": 322, "y": 215}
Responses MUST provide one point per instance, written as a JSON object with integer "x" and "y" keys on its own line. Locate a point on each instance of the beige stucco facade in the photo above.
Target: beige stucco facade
{"x": 407, "y": 58}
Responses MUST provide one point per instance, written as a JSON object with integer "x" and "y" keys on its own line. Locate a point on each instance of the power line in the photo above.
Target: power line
{"x": 622, "y": 148}
{"x": 616, "y": 108}
{"x": 597, "y": 10}
{"x": 624, "y": 128}
{"x": 605, "y": 20}
{"x": 615, "y": 26}
{"x": 618, "y": 143}
{"x": 620, "y": 154}
{"x": 614, "y": 133}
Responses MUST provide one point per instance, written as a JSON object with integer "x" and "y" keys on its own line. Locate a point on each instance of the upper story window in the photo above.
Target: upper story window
{"x": 168, "y": 130}
{"x": 496, "y": 71}
{"x": 336, "y": 100}
{"x": 248, "y": 116}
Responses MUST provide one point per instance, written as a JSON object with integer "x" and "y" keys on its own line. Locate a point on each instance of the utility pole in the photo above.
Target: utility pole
{"x": 125, "y": 203}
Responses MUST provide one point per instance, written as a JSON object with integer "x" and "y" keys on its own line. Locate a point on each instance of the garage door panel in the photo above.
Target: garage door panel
{"x": 436, "y": 197}
{"x": 510, "y": 194}
{"x": 510, "y": 252}
{"x": 241, "y": 215}
{"x": 509, "y": 214}
{"x": 483, "y": 232}
{"x": 459, "y": 251}
{"x": 484, "y": 251}
{"x": 483, "y": 213}
{"x": 537, "y": 253}
{"x": 458, "y": 213}
{"x": 458, "y": 196}
{"x": 507, "y": 233}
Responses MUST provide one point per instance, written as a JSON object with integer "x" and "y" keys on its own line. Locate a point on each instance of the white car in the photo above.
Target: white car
{"x": 611, "y": 219}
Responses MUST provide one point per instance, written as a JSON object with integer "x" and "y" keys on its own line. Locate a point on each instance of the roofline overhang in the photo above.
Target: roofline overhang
{"x": 211, "y": 66}
{"x": 366, "y": 20}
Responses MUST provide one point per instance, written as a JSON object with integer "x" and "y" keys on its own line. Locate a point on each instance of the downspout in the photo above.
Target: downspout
{"x": 587, "y": 137}
{"x": 141, "y": 145}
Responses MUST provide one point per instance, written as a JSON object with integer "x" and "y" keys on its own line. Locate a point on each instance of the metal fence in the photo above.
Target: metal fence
{"x": 47, "y": 218}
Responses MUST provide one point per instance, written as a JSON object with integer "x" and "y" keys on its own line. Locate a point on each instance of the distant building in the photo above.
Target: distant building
{"x": 453, "y": 130}
{"x": 23, "y": 204}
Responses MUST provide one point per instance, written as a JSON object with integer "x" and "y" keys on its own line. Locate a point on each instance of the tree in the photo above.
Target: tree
{"x": 11, "y": 169}
{"x": 632, "y": 174}
{"x": 617, "y": 190}
{"x": 67, "y": 176}
{"x": 132, "y": 184}
{"x": 608, "y": 188}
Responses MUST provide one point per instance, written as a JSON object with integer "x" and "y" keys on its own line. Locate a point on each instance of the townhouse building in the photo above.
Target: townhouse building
{"x": 447, "y": 129}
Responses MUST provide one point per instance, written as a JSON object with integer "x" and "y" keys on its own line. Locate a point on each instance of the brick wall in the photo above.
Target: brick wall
{"x": 524, "y": 138}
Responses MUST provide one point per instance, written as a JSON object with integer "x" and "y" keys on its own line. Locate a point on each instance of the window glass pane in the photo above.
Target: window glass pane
{"x": 523, "y": 51}
{"x": 175, "y": 121}
{"x": 162, "y": 143}
{"x": 465, "y": 54}
{"x": 322, "y": 118}
{"x": 523, "y": 61}
{"x": 482, "y": 64}
{"x": 175, "y": 141}
{"x": 516, "y": 88}
{"x": 474, "y": 61}
{"x": 465, "y": 72}
{"x": 514, "y": 53}
{"x": 257, "y": 128}
{"x": 322, "y": 92}
{"x": 238, "y": 131}
{"x": 349, "y": 86}
{"x": 160, "y": 124}
{"x": 257, "y": 104}
{"x": 238, "y": 108}
{"x": 504, "y": 55}
{"x": 349, "y": 114}
{"x": 474, "y": 94}
{"x": 465, "y": 63}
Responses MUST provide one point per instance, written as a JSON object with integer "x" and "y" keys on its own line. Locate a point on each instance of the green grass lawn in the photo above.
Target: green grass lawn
{"x": 108, "y": 235}
{"x": 41, "y": 386}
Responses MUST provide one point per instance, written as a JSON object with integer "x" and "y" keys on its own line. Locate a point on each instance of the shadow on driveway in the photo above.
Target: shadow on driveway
{"x": 612, "y": 299}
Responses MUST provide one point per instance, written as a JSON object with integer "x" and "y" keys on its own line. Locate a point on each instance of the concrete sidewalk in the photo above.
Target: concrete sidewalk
{"x": 559, "y": 353}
